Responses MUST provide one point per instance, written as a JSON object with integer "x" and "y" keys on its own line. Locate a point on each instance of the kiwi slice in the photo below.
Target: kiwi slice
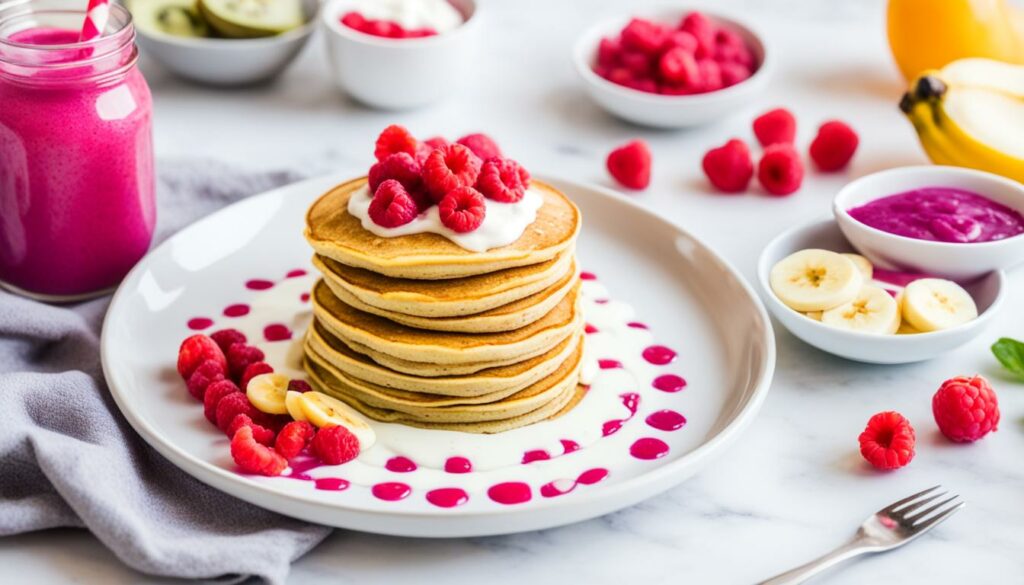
{"x": 180, "y": 18}
{"x": 242, "y": 19}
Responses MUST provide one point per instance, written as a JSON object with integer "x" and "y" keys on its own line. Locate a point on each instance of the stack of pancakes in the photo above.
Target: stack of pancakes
{"x": 416, "y": 330}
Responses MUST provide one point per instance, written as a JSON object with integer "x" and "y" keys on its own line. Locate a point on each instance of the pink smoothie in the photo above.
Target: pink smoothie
{"x": 77, "y": 206}
{"x": 941, "y": 214}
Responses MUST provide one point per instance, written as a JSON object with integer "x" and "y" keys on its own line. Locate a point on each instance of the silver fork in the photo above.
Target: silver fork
{"x": 887, "y": 529}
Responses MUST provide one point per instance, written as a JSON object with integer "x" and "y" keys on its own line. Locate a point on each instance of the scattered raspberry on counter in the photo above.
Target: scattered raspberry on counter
{"x": 729, "y": 167}
{"x": 630, "y": 165}
{"x": 966, "y": 409}
{"x": 888, "y": 441}
{"x": 775, "y": 126}
{"x": 834, "y": 146}
{"x": 780, "y": 171}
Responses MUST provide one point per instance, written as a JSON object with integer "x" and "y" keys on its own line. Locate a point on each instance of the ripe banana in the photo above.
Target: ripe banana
{"x": 293, "y": 405}
{"x": 267, "y": 393}
{"x": 863, "y": 265}
{"x": 815, "y": 280}
{"x": 872, "y": 311}
{"x": 933, "y": 304}
{"x": 971, "y": 114}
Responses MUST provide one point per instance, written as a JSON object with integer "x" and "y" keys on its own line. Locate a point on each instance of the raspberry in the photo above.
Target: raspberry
{"x": 608, "y": 52}
{"x": 392, "y": 205}
{"x": 401, "y": 167}
{"x": 207, "y": 373}
{"x": 482, "y": 145}
{"x": 225, "y": 338}
{"x": 780, "y": 171}
{"x": 449, "y": 168}
{"x": 630, "y": 164}
{"x": 253, "y": 370}
{"x": 354, "y": 20}
{"x": 214, "y": 393}
{"x": 502, "y": 180}
{"x": 643, "y": 35}
{"x": 194, "y": 351}
{"x": 729, "y": 167}
{"x": 240, "y": 356}
{"x": 733, "y": 73}
{"x": 966, "y": 409}
{"x": 435, "y": 143}
{"x": 678, "y": 66}
{"x": 232, "y": 405}
{"x": 888, "y": 441}
{"x": 834, "y": 146}
{"x": 262, "y": 434}
{"x": 293, "y": 438}
{"x": 702, "y": 29}
{"x": 680, "y": 39}
{"x": 253, "y": 457}
{"x": 394, "y": 139}
{"x": 710, "y": 75}
{"x": 775, "y": 126}
{"x": 638, "y": 63}
{"x": 299, "y": 386}
{"x": 335, "y": 445}
{"x": 462, "y": 210}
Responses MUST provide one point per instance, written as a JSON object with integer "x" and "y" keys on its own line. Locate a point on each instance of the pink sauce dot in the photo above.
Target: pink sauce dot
{"x": 299, "y": 466}
{"x": 648, "y": 448}
{"x": 277, "y": 332}
{"x": 198, "y": 323}
{"x": 333, "y": 484}
{"x": 400, "y": 464}
{"x": 391, "y": 491}
{"x": 606, "y": 364}
{"x": 637, "y": 325}
{"x": 557, "y": 488}
{"x": 601, "y": 301}
{"x": 447, "y": 497}
{"x": 569, "y": 446}
{"x": 588, "y": 329}
{"x": 611, "y": 427}
{"x": 669, "y": 383}
{"x": 510, "y": 492}
{"x": 458, "y": 465}
{"x": 258, "y": 284}
{"x": 295, "y": 273}
{"x": 666, "y": 420}
{"x": 236, "y": 310}
{"x": 587, "y": 276}
{"x": 630, "y": 400}
{"x": 659, "y": 355}
{"x": 535, "y": 455}
{"x": 304, "y": 297}
{"x": 592, "y": 476}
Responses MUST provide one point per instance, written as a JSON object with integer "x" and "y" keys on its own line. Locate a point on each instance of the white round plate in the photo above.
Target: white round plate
{"x": 607, "y": 453}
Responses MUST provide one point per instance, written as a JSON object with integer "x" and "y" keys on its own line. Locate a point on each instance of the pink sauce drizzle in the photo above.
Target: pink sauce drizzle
{"x": 535, "y": 455}
{"x": 587, "y": 276}
{"x": 295, "y": 273}
{"x": 277, "y": 332}
{"x": 391, "y": 491}
{"x": 304, "y": 297}
{"x": 648, "y": 448}
{"x": 588, "y": 329}
{"x": 236, "y": 310}
{"x": 631, "y": 400}
{"x": 669, "y": 383}
{"x": 606, "y": 364}
{"x": 258, "y": 284}
{"x": 638, "y": 325}
{"x": 569, "y": 446}
{"x": 400, "y": 464}
{"x": 659, "y": 355}
{"x": 333, "y": 484}
{"x": 666, "y": 420}
{"x": 458, "y": 465}
{"x": 510, "y": 492}
{"x": 447, "y": 497}
{"x": 199, "y": 323}
{"x": 559, "y": 487}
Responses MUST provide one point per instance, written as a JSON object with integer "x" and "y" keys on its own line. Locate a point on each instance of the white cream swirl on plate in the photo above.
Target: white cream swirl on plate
{"x": 503, "y": 223}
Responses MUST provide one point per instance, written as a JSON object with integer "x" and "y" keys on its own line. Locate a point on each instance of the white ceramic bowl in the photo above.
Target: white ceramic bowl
{"x": 960, "y": 262}
{"x": 229, "y": 62}
{"x": 866, "y": 347}
{"x": 664, "y": 111}
{"x": 398, "y": 74}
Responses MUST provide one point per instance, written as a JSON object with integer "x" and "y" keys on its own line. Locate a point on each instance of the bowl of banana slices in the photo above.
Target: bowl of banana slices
{"x": 825, "y": 293}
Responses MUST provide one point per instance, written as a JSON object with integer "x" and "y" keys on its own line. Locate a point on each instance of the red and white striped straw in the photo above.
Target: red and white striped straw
{"x": 95, "y": 20}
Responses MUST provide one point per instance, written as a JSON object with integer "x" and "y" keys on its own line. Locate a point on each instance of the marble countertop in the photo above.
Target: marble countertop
{"x": 793, "y": 485}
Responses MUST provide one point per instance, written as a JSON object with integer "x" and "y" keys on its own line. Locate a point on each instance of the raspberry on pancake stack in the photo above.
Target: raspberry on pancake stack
{"x": 449, "y": 295}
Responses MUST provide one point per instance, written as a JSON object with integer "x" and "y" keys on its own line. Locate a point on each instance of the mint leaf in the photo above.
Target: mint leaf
{"x": 1010, "y": 353}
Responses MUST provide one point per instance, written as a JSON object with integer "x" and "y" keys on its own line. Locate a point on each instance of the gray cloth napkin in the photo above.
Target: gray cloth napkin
{"x": 68, "y": 458}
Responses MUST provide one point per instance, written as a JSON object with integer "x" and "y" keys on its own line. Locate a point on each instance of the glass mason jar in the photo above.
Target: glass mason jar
{"x": 77, "y": 207}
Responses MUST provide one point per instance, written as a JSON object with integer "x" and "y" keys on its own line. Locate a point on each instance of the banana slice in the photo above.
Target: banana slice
{"x": 933, "y": 304}
{"x": 267, "y": 392}
{"x": 816, "y": 315}
{"x": 815, "y": 280}
{"x": 291, "y": 402}
{"x": 906, "y": 329}
{"x": 326, "y": 411}
{"x": 872, "y": 311}
{"x": 863, "y": 265}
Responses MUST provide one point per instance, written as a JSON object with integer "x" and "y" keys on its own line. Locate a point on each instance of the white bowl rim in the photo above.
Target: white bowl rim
{"x": 294, "y": 34}
{"x": 332, "y": 24}
{"x": 840, "y": 210}
{"x": 763, "y": 271}
{"x": 585, "y": 47}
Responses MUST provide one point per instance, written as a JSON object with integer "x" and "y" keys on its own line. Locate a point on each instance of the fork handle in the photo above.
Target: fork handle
{"x": 819, "y": 565}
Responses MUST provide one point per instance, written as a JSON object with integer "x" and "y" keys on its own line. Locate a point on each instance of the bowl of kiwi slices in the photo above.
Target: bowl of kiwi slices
{"x": 224, "y": 42}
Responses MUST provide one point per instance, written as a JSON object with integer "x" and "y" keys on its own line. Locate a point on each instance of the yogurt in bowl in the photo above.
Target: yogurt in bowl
{"x": 948, "y": 221}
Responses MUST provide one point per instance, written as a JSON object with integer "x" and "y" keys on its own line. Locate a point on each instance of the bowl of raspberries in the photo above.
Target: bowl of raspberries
{"x": 673, "y": 69}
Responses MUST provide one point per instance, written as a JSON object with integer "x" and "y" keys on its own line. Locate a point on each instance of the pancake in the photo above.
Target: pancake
{"x": 335, "y": 233}
{"x": 434, "y": 408}
{"x": 553, "y": 409}
{"x": 444, "y": 298}
{"x": 514, "y": 315}
{"x": 444, "y": 348}
{"x": 319, "y": 343}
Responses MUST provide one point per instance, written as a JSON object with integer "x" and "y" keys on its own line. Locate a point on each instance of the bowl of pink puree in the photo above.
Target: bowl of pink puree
{"x": 949, "y": 221}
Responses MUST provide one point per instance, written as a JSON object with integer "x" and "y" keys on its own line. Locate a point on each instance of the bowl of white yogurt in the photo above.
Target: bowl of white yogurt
{"x": 401, "y": 73}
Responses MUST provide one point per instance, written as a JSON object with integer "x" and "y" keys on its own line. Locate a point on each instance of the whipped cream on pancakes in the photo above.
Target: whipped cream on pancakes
{"x": 503, "y": 224}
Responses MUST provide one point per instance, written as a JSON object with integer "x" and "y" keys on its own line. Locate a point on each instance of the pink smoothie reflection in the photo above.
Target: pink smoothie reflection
{"x": 941, "y": 214}
{"x": 76, "y": 171}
